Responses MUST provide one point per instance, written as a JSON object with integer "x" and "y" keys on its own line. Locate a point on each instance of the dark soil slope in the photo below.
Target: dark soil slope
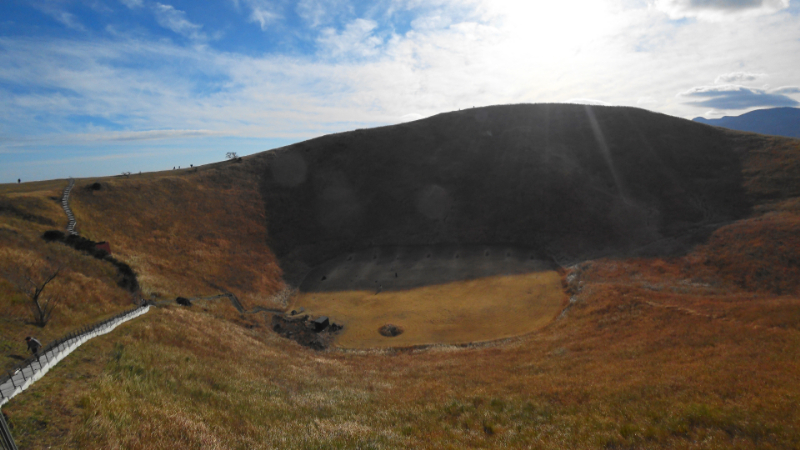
{"x": 568, "y": 181}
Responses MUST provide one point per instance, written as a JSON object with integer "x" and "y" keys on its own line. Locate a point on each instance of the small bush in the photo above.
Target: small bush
{"x": 53, "y": 235}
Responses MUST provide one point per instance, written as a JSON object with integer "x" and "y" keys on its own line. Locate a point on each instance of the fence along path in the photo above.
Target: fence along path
{"x": 67, "y": 210}
{"x": 27, "y": 372}
{"x": 6, "y": 440}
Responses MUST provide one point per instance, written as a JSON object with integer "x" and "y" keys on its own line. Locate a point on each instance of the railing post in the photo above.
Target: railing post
{"x": 7, "y": 440}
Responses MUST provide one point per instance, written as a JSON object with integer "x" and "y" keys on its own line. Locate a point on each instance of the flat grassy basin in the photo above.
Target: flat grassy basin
{"x": 459, "y": 312}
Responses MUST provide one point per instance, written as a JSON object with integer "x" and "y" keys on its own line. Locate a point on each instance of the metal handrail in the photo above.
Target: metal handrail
{"x": 57, "y": 344}
{"x": 6, "y": 439}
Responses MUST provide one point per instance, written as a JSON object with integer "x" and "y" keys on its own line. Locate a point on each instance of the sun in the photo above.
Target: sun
{"x": 554, "y": 30}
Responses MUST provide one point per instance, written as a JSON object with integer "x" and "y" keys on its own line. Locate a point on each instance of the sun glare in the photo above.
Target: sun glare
{"x": 554, "y": 29}
{"x": 547, "y": 46}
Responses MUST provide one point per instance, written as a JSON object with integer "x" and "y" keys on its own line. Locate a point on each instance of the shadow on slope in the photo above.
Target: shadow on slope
{"x": 401, "y": 268}
{"x": 568, "y": 181}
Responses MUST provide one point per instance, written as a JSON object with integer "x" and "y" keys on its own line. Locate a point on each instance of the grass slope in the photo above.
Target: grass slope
{"x": 645, "y": 358}
{"x": 679, "y": 352}
{"x": 87, "y": 286}
{"x": 186, "y": 233}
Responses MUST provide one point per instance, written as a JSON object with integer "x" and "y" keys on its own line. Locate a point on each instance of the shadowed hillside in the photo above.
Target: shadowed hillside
{"x": 568, "y": 181}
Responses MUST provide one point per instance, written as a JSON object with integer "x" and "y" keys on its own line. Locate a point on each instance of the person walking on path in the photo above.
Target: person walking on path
{"x": 33, "y": 345}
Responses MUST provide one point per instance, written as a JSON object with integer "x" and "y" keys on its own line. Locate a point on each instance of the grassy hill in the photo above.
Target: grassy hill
{"x": 678, "y": 247}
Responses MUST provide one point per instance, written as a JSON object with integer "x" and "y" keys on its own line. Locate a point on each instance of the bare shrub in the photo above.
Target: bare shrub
{"x": 31, "y": 281}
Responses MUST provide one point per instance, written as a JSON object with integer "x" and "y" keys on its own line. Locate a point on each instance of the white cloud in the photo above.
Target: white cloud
{"x": 411, "y": 117}
{"x": 431, "y": 21}
{"x": 263, "y": 17}
{"x": 739, "y": 77}
{"x": 175, "y": 20}
{"x": 587, "y": 101}
{"x": 69, "y": 20}
{"x": 355, "y": 40}
{"x": 719, "y": 9}
{"x": 713, "y": 114}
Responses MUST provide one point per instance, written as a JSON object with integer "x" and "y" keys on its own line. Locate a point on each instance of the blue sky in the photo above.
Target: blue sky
{"x": 100, "y": 87}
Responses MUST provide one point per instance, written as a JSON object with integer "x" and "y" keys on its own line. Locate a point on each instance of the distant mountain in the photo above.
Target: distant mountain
{"x": 777, "y": 121}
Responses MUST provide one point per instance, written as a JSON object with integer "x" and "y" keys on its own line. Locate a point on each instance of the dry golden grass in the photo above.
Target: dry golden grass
{"x": 86, "y": 286}
{"x": 185, "y": 233}
{"x": 676, "y": 364}
{"x": 650, "y": 354}
{"x": 454, "y": 313}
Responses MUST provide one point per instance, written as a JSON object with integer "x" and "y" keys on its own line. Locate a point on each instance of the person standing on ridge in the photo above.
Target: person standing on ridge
{"x": 33, "y": 345}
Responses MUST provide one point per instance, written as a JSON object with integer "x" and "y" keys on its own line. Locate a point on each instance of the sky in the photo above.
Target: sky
{"x": 101, "y": 87}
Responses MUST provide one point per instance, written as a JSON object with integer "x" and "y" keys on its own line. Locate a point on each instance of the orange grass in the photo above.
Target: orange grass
{"x": 187, "y": 233}
{"x": 679, "y": 364}
{"x": 761, "y": 254}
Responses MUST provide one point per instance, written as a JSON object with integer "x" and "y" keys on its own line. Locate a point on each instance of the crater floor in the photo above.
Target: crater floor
{"x": 443, "y": 295}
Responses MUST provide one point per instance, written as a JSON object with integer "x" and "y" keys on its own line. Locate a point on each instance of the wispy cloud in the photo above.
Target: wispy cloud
{"x": 357, "y": 40}
{"x": 65, "y": 18}
{"x": 786, "y": 90}
{"x": 719, "y": 9}
{"x": 262, "y": 12}
{"x": 132, "y": 3}
{"x": 739, "y": 77}
{"x": 321, "y": 12}
{"x": 737, "y": 97}
{"x": 174, "y": 19}
{"x": 143, "y": 135}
